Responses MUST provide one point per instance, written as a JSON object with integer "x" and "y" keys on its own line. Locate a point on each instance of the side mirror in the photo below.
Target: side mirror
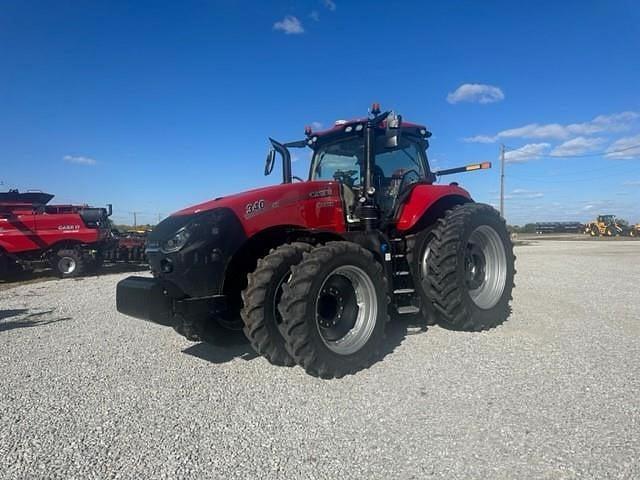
{"x": 269, "y": 162}
{"x": 392, "y": 132}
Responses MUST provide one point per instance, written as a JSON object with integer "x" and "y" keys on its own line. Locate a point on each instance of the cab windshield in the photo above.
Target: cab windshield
{"x": 343, "y": 161}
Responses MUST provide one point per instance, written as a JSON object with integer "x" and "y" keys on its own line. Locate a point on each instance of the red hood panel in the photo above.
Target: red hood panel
{"x": 314, "y": 205}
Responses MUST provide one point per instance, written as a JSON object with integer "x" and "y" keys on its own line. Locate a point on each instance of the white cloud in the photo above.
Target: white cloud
{"x": 329, "y": 4}
{"x": 476, "y": 93}
{"x": 290, "y": 25}
{"x": 480, "y": 139}
{"x": 530, "y": 151}
{"x": 588, "y": 207}
{"x": 520, "y": 193}
{"x": 617, "y": 122}
{"x": 79, "y": 160}
{"x": 632, "y": 183}
{"x": 314, "y": 15}
{"x": 577, "y": 146}
{"x": 625, "y": 148}
{"x": 316, "y": 126}
{"x": 533, "y": 130}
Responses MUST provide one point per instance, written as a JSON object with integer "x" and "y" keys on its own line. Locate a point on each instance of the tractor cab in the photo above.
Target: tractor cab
{"x": 397, "y": 165}
{"x": 376, "y": 160}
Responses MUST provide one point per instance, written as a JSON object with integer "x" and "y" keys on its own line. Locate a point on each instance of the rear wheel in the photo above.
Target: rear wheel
{"x": 470, "y": 268}
{"x": 68, "y": 263}
{"x": 334, "y": 310}
{"x": 595, "y": 231}
{"x": 262, "y": 320}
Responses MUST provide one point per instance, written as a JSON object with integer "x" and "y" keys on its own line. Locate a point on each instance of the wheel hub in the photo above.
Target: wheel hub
{"x": 67, "y": 265}
{"x": 475, "y": 267}
{"x": 337, "y": 307}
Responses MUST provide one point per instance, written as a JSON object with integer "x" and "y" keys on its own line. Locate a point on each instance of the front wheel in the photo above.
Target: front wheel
{"x": 470, "y": 268}
{"x": 334, "y": 310}
{"x": 68, "y": 263}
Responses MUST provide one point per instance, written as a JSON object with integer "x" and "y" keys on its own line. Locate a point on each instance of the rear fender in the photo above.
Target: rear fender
{"x": 427, "y": 203}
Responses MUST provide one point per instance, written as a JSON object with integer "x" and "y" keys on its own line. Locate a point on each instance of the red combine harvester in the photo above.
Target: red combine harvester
{"x": 313, "y": 269}
{"x": 69, "y": 238}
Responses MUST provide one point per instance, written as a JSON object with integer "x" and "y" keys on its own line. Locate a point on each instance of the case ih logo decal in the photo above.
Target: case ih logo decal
{"x": 321, "y": 193}
{"x": 68, "y": 228}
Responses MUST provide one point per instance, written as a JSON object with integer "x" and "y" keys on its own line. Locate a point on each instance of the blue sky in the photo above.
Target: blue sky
{"x": 154, "y": 106}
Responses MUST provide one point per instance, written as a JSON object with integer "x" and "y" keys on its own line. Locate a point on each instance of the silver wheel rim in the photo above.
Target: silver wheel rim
{"x": 485, "y": 264}
{"x": 67, "y": 265}
{"x": 364, "y": 318}
{"x": 424, "y": 267}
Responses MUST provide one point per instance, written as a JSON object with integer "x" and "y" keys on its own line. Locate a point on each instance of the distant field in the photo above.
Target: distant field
{"x": 573, "y": 237}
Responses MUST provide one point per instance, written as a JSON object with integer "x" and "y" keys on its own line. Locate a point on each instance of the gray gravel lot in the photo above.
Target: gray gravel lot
{"x": 554, "y": 393}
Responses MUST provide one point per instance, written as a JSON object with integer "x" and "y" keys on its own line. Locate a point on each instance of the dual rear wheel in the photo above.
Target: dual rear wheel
{"x": 465, "y": 268}
{"x": 323, "y": 308}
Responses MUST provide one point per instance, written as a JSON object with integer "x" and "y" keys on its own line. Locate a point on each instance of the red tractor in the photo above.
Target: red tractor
{"x": 312, "y": 270}
{"x": 69, "y": 238}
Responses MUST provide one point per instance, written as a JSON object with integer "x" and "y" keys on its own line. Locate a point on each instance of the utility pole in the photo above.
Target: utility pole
{"x": 502, "y": 180}
{"x": 135, "y": 219}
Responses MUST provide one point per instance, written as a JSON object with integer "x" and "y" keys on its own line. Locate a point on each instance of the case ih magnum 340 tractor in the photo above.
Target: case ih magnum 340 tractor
{"x": 69, "y": 238}
{"x": 313, "y": 269}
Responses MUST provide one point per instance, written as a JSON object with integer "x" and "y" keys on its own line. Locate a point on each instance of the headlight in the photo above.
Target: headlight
{"x": 176, "y": 242}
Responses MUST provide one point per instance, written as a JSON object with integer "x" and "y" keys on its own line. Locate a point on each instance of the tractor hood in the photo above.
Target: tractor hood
{"x": 241, "y": 199}
{"x": 314, "y": 204}
{"x": 192, "y": 247}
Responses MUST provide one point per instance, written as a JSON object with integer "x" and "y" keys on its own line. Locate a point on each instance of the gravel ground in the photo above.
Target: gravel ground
{"x": 553, "y": 393}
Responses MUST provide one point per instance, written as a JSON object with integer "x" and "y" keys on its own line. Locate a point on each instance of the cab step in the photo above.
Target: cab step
{"x": 408, "y": 310}
{"x": 403, "y": 291}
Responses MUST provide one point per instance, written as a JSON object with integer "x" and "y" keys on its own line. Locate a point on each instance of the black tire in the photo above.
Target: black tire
{"x": 68, "y": 263}
{"x": 9, "y": 268}
{"x": 611, "y": 232}
{"x": 415, "y": 257}
{"x": 595, "y": 231}
{"x": 471, "y": 292}
{"x": 95, "y": 262}
{"x": 262, "y": 321}
{"x": 307, "y": 289}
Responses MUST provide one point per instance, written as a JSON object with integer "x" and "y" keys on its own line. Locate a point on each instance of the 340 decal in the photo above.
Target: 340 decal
{"x": 254, "y": 207}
